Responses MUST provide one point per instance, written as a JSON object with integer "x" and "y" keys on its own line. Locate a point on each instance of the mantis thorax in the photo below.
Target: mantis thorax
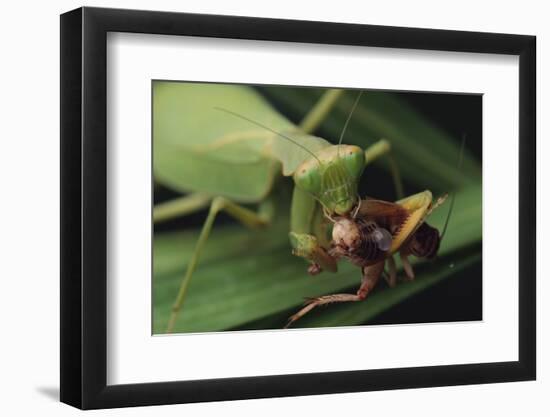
{"x": 332, "y": 177}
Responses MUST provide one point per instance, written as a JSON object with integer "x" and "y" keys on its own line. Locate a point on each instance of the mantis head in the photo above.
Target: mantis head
{"x": 332, "y": 174}
{"x": 332, "y": 177}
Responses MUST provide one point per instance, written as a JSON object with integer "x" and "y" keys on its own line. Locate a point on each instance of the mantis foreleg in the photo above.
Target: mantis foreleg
{"x": 244, "y": 215}
{"x": 320, "y": 111}
{"x": 306, "y": 239}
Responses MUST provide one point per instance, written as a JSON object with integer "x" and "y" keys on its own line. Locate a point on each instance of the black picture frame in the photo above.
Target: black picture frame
{"x": 84, "y": 207}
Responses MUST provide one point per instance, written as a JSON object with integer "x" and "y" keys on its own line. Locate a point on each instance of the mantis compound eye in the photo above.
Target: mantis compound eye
{"x": 382, "y": 238}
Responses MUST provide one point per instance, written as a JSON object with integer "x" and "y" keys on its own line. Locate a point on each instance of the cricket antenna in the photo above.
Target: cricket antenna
{"x": 460, "y": 158}
{"x": 349, "y": 118}
{"x": 240, "y": 116}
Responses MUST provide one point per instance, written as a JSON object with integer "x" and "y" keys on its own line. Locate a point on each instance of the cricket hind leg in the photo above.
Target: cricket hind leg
{"x": 407, "y": 266}
{"x": 311, "y": 303}
{"x": 244, "y": 215}
{"x": 371, "y": 274}
{"x": 392, "y": 272}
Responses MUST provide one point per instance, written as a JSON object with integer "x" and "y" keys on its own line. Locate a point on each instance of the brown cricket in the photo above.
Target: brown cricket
{"x": 372, "y": 235}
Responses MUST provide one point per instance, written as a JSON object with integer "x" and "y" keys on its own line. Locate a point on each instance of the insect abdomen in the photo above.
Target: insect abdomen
{"x": 370, "y": 248}
{"x": 425, "y": 242}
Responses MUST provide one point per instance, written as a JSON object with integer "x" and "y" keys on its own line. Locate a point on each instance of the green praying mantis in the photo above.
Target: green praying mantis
{"x": 325, "y": 199}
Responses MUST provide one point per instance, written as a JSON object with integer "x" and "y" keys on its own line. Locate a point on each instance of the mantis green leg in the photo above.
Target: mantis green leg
{"x": 244, "y": 215}
{"x": 305, "y": 238}
{"x": 319, "y": 112}
{"x": 180, "y": 206}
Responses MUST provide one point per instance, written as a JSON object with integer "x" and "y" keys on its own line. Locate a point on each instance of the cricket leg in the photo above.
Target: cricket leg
{"x": 310, "y": 304}
{"x": 246, "y": 216}
{"x": 383, "y": 148}
{"x": 392, "y": 271}
{"x": 407, "y": 266}
{"x": 371, "y": 274}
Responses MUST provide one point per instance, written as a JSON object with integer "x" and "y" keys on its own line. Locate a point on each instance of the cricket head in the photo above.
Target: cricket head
{"x": 332, "y": 177}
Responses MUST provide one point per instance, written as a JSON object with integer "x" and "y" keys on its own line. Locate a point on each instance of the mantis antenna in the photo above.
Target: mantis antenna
{"x": 349, "y": 117}
{"x": 460, "y": 158}
{"x": 347, "y": 122}
{"x": 269, "y": 129}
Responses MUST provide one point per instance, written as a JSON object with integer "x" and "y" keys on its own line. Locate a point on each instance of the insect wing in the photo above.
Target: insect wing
{"x": 402, "y": 218}
{"x": 379, "y": 209}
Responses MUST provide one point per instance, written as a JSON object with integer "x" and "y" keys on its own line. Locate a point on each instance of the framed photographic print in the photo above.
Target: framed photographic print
{"x": 258, "y": 208}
